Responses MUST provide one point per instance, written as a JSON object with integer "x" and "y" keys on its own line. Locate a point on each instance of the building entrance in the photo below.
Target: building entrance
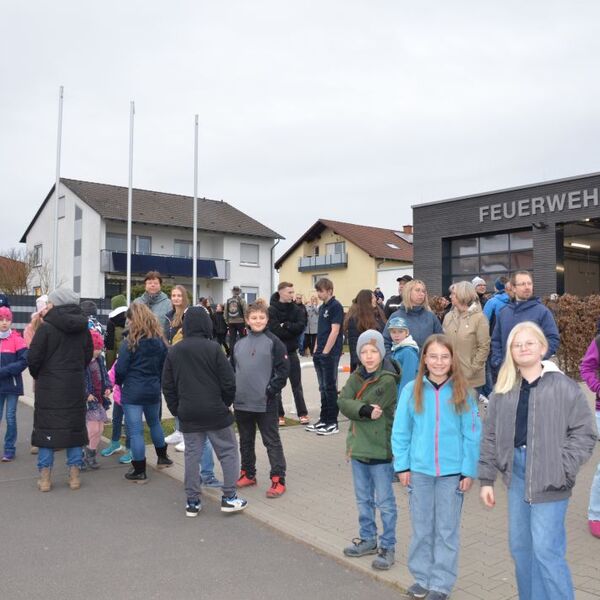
{"x": 578, "y": 257}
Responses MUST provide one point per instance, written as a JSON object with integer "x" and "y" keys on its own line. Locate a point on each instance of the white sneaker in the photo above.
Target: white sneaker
{"x": 175, "y": 438}
{"x": 180, "y": 447}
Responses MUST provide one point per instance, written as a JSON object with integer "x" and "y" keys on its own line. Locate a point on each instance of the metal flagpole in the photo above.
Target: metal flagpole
{"x": 195, "y": 235}
{"x": 57, "y": 189}
{"x": 130, "y": 200}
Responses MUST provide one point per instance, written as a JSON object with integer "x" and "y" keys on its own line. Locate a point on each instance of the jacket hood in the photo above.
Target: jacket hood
{"x": 68, "y": 318}
{"x": 502, "y": 297}
{"x": 524, "y": 304}
{"x": 120, "y": 310}
{"x": 274, "y": 298}
{"x": 407, "y": 342}
{"x": 197, "y": 322}
{"x": 549, "y": 367}
{"x": 391, "y": 366}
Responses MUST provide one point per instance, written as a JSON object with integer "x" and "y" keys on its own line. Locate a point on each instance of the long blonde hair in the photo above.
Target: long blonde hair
{"x": 509, "y": 375}
{"x": 142, "y": 324}
{"x": 408, "y": 288}
{"x": 459, "y": 383}
{"x": 177, "y": 320}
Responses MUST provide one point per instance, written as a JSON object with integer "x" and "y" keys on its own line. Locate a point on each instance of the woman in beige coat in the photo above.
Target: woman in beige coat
{"x": 468, "y": 328}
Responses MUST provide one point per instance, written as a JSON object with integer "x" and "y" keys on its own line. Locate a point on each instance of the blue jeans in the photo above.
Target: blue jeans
{"x": 207, "y": 462}
{"x": 537, "y": 540}
{"x": 10, "y": 439}
{"x": 46, "y": 457}
{"x": 117, "y": 424}
{"x": 135, "y": 427}
{"x": 326, "y": 367}
{"x": 435, "y": 509}
{"x": 594, "y": 507}
{"x": 373, "y": 489}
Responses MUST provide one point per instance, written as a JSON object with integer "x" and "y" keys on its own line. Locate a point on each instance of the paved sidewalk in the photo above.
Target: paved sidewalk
{"x": 319, "y": 509}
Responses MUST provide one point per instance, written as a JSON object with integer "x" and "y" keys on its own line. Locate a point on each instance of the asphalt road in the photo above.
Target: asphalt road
{"x": 115, "y": 540}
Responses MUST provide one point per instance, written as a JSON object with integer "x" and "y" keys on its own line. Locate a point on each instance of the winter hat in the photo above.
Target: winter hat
{"x": 118, "y": 300}
{"x": 478, "y": 281}
{"x": 373, "y": 337}
{"x": 62, "y": 296}
{"x": 499, "y": 285}
{"x": 397, "y": 323}
{"x": 6, "y": 313}
{"x": 4, "y": 300}
{"x": 89, "y": 308}
{"x": 97, "y": 339}
{"x": 41, "y": 303}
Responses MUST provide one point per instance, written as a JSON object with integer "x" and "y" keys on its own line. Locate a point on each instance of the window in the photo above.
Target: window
{"x": 77, "y": 284}
{"x": 77, "y": 248}
{"x": 37, "y": 255}
{"x": 335, "y": 248}
{"x": 117, "y": 242}
{"x": 142, "y": 244}
{"x": 249, "y": 254}
{"x": 318, "y": 276}
{"x": 183, "y": 248}
{"x": 250, "y": 294}
{"x": 316, "y": 251}
{"x": 61, "y": 207}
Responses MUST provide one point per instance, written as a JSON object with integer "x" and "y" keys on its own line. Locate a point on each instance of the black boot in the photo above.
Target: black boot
{"x": 137, "y": 473}
{"x": 90, "y": 459}
{"x": 163, "y": 460}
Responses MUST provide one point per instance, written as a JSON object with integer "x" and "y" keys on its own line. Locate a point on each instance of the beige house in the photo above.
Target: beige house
{"x": 354, "y": 257}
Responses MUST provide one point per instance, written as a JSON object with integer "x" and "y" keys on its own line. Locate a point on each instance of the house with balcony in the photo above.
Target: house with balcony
{"x": 233, "y": 248}
{"x": 353, "y": 256}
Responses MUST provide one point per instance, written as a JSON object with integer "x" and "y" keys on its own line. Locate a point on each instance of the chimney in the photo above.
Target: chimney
{"x": 408, "y": 229}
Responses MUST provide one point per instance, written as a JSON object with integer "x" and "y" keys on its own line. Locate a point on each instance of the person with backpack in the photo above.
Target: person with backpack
{"x": 235, "y": 312}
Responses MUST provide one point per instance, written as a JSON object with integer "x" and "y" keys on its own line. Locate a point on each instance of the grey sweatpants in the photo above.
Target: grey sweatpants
{"x": 225, "y": 446}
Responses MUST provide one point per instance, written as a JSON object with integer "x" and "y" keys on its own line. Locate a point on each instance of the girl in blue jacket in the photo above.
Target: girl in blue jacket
{"x": 435, "y": 442}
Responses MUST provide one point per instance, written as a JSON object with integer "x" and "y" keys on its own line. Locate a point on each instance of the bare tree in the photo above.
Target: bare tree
{"x": 20, "y": 272}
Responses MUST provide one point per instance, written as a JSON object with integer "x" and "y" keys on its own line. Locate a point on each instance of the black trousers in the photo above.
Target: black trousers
{"x": 268, "y": 425}
{"x": 296, "y": 383}
{"x": 236, "y": 332}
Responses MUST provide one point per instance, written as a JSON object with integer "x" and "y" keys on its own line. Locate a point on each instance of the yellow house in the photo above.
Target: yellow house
{"x": 354, "y": 257}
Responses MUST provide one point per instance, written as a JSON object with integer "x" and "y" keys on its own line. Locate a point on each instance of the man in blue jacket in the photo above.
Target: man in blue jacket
{"x": 525, "y": 307}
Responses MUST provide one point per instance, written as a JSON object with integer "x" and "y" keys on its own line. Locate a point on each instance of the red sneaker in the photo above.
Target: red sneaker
{"x": 277, "y": 487}
{"x": 594, "y": 528}
{"x": 245, "y": 481}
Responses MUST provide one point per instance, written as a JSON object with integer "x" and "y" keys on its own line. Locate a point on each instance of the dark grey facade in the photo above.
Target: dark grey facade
{"x": 531, "y": 227}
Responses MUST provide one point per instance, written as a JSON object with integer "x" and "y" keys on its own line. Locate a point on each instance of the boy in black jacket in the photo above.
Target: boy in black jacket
{"x": 261, "y": 369}
{"x": 199, "y": 387}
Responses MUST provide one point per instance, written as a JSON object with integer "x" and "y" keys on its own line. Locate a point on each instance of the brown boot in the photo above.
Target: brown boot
{"x": 44, "y": 482}
{"x": 74, "y": 481}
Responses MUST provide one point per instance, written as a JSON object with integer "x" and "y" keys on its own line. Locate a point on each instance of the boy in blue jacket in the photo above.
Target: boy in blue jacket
{"x": 404, "y": 350}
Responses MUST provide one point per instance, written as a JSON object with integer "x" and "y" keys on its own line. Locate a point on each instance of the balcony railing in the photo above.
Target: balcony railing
{"x": 169, "y": 266}
{"x": 329, "y": 261}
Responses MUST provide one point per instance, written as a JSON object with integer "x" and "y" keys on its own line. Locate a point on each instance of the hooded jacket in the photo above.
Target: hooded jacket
{"x": 59, "y": 353}
{"x": 287, "y": 321}
{"x": 114, "y": 333}
{"x": 517, "y": 312}
{"x": 369, "y": 439}
{"x": 13, "y": 361}
{"x": 406, "y": 354}
{"x": 198, "y": 381}
{"x": 589, "y": 368}
{"x": 561, "y": 435}
{"x": 421, "y": 323}
{"x": 159, "y": 304}
{"x": 495, "y": 304}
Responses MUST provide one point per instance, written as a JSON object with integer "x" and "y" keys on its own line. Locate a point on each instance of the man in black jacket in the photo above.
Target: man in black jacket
{"x": 199, "y": 386}
{"x": 287, "y": 321}
{"x": 394, "y": 302}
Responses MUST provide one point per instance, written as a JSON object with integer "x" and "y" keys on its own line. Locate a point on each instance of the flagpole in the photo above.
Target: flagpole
{"x": 195, "y": 220}
{"x": 57, "y": 189}
{"x": 130, "y": 199}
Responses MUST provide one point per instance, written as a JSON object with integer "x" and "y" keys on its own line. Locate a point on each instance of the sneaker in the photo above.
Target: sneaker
{"x": 8, "y": 457}
{"x": 212, "y": 482}
{"x": 328, "y": 429}
{"x": 594, "y": 527}
{"x": 386, "y": 557}
{"x": 417, "y": 591}
{"x": 233, "y": 504}
{"x": 111, "y": 449}
{"x": 281, "y": 421}
{"x": 246, "y": 480}
{"x": 361, "y": 548}
{"x": 277, "y": 488}
{"x": 126, "y": 458}
{"x": 304, "y": 420}
{"x": 434, "y": 595}
{"x": 314, "y": 427}
{"x": 175, "y": 438}
{"x": 180, "y": 447}
{"x": 192, "y": 508}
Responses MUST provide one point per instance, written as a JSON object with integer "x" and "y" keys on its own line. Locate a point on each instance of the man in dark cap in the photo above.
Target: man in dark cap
{"x": 394, "y": 302}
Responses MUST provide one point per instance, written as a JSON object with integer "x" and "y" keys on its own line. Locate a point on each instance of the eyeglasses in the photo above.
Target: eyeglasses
{"x": 530, "y": 345}
{"x": 439, "y": 357}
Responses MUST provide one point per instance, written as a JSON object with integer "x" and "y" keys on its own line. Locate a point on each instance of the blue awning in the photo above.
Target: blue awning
{"x": 169, "y": 266}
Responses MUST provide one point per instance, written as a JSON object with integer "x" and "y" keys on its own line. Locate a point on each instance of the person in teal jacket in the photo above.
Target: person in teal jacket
{"x": 404, "y": 351}
{"x": 435, "y": 442}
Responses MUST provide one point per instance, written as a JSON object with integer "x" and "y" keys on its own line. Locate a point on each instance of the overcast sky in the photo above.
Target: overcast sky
{"x": 350, "y": 109}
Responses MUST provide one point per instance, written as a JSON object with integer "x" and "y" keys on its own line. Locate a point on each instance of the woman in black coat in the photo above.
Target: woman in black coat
{"x": 59, "y": 353}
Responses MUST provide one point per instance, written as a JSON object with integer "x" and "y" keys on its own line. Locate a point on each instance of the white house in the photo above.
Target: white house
{"x": 234, "y": 249}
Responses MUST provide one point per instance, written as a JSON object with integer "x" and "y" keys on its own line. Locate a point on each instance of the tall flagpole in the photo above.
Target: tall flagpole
{"x": 195, "y": 234}
{"x": 130, "y": 199}
{"x": 57, "y": 189}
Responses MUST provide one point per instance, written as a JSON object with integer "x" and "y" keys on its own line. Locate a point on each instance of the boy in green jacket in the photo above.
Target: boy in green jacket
{"x": 369, "y": 400}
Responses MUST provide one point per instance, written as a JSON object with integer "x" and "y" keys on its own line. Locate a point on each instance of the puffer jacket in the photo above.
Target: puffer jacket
{"x": 469, "y": 333}
{"x": 561, "y": 435}
{"x": 369, "y": 439}
{"x": 13, "y": 361}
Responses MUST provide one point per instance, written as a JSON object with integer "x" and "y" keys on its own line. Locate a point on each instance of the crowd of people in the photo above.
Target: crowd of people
{"x": 421, "y": 371}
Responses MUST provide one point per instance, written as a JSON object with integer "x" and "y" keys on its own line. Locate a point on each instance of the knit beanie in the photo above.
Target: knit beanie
{"x": 397, "y": 323}
{"x": 4, "y": 300}
{"x": 62, "y": 296}
{"x": 41, "y": 303}
{"x": 118, "y": 300}
{"x": 6, "y": 313}
{"x": 373, "y": 337}
{"x": 499, "y": 285}
{"x": 478, "y": 281}
{"x": 97, "y": 339}
{"x": 89, "y": 308}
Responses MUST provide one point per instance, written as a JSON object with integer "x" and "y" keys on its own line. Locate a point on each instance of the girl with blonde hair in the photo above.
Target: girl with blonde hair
{"x": 174, "y": 318}
{"x": 538, "y": 431}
